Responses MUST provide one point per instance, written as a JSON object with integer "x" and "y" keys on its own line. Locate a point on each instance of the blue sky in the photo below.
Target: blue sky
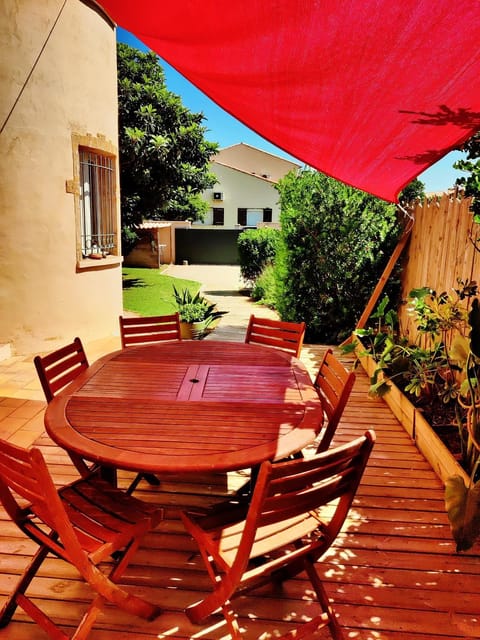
{"x": 225, "y": 130}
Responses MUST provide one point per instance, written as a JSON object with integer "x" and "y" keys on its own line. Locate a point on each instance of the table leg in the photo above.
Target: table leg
{"x": 109, "y": 474}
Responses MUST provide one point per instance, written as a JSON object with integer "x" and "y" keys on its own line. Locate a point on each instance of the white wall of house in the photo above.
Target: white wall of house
{"x": 59, "y": 97}
{"x": 242, "y": 190}
{"x": 246, "y": 182}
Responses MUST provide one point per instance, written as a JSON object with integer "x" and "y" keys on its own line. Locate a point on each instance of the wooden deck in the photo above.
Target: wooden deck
{"x": 393, "y": 574}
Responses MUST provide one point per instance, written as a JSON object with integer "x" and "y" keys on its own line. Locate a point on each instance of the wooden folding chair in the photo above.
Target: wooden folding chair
{"x": 57, "y": 370}
{"x": 85, "y": 523}
{"x": 136, "y": 331}
{"x": 287, "y": 336}
{"x": 334, "y": 385}
{"x": 283, "y": 531}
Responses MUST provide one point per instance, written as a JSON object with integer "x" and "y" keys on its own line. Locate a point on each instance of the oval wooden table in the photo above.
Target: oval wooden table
{"x": 190, "y": 406}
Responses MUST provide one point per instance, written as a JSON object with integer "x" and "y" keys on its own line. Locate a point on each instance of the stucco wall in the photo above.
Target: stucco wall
{"x": 45, "y": 299}
{"x": 241, "y": 190}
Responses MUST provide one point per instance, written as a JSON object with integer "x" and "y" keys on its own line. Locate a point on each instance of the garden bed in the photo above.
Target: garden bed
{"x": 427, "y": 441}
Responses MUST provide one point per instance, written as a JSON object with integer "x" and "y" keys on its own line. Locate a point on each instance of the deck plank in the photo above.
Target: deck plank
{"x": 393, "y": 573}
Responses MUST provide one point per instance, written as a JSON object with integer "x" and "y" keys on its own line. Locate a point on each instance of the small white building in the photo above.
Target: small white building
{"x": 244, "y": 194}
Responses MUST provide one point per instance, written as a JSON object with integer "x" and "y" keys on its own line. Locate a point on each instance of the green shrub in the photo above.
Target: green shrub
{"x": 335, "y": 243}
{"x": 264, "y": 289}
{"x": 256, "y": 249}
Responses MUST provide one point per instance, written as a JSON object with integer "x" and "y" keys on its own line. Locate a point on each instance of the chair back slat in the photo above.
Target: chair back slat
{"x": 287, "y": 336}
{"x": 334, "y": 385}
{"x": 146, "y": 330}
{"x": 283, "y": 507}
{"x": 23, "y": 473}
{"x": 57, "y": 369}
{"x": 299, "y": 488}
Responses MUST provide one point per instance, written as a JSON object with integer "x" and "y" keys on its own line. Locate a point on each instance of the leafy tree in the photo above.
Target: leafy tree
{"x": 335, "y": 243}
{"x": 471, "y": 163}
{"x": 164, "y": 157}
{"x": 415, "y": 190}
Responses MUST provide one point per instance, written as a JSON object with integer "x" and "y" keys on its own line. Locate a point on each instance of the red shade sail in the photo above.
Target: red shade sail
{"x": 371, "y": 92}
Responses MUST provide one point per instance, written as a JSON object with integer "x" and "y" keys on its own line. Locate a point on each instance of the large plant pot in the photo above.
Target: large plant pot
{"x": 442, "y": 461}
{"x": 192, "y": 330}
{"x": 186, "y": 330}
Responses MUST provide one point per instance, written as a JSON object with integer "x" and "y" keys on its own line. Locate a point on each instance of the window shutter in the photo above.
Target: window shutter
{"x": 218, "y": 216}
{"x": 242, "y": 217}
{"x": 267, "y": 215}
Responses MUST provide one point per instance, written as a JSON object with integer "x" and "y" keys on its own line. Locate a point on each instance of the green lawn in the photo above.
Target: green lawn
{"x": 149, "y": 293}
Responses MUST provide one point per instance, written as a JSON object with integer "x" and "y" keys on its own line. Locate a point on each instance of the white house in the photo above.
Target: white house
{"x": 244, "y": 194}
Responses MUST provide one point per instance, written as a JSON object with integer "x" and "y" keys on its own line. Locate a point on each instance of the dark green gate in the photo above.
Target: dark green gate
{"x": 207, "y": 246}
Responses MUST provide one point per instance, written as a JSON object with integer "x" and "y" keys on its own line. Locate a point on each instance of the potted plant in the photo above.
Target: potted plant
{"x": 193, "y": 320}
{"x": 198, "y": 316}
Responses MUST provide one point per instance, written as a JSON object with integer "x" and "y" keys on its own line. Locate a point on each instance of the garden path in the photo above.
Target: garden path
{"x": 222, "y": 284}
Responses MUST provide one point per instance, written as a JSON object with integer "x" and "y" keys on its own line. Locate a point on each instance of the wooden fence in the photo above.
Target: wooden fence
{"x": 440, "y": 250}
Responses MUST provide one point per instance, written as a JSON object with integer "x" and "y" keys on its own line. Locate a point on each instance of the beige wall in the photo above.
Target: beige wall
{"x": 163, "y": 233}
{"x": 256, "y": 161}
{"x": 46, "y": 298}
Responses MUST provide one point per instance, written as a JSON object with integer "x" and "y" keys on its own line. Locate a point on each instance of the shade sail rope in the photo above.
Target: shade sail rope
{"x": 30, "y": 73}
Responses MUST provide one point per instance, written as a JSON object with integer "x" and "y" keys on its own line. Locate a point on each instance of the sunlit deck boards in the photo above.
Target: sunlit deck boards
{"x": 393, "y": 575}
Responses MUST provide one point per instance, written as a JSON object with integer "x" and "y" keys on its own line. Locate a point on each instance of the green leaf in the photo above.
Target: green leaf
{"x": 379, "y": 389}
{"x": 459, "y": 350}
{"x": 362, "y": 333}
{"x": 349, "y": 347}
{"x": 462, "y": 504}
{"x": 420, "y": 293}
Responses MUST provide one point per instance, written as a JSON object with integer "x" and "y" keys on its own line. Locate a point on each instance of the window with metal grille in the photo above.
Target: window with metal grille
{"x": 97, "y": 203}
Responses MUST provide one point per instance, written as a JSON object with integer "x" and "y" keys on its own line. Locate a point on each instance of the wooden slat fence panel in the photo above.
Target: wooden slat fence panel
{"x": 440, "y": 250}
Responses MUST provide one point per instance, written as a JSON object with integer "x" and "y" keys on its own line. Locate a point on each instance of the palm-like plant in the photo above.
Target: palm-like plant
{"x": 195, "y": 307}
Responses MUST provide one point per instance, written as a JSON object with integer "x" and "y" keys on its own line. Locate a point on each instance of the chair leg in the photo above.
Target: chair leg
{"x": 11, "y": 604}
{"x": 43, "y": 621}
{"x": 322, "y": 597}
{"x": 231, "y": 620}
{"x": 109, "y": 591}
{"x": 218, "y": 599}
{"x": 88, "y": 620}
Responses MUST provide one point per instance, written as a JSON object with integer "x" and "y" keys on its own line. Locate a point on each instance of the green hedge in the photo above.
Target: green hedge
{"x": 256, "y": 249}
{"x": 335, "y": 243}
